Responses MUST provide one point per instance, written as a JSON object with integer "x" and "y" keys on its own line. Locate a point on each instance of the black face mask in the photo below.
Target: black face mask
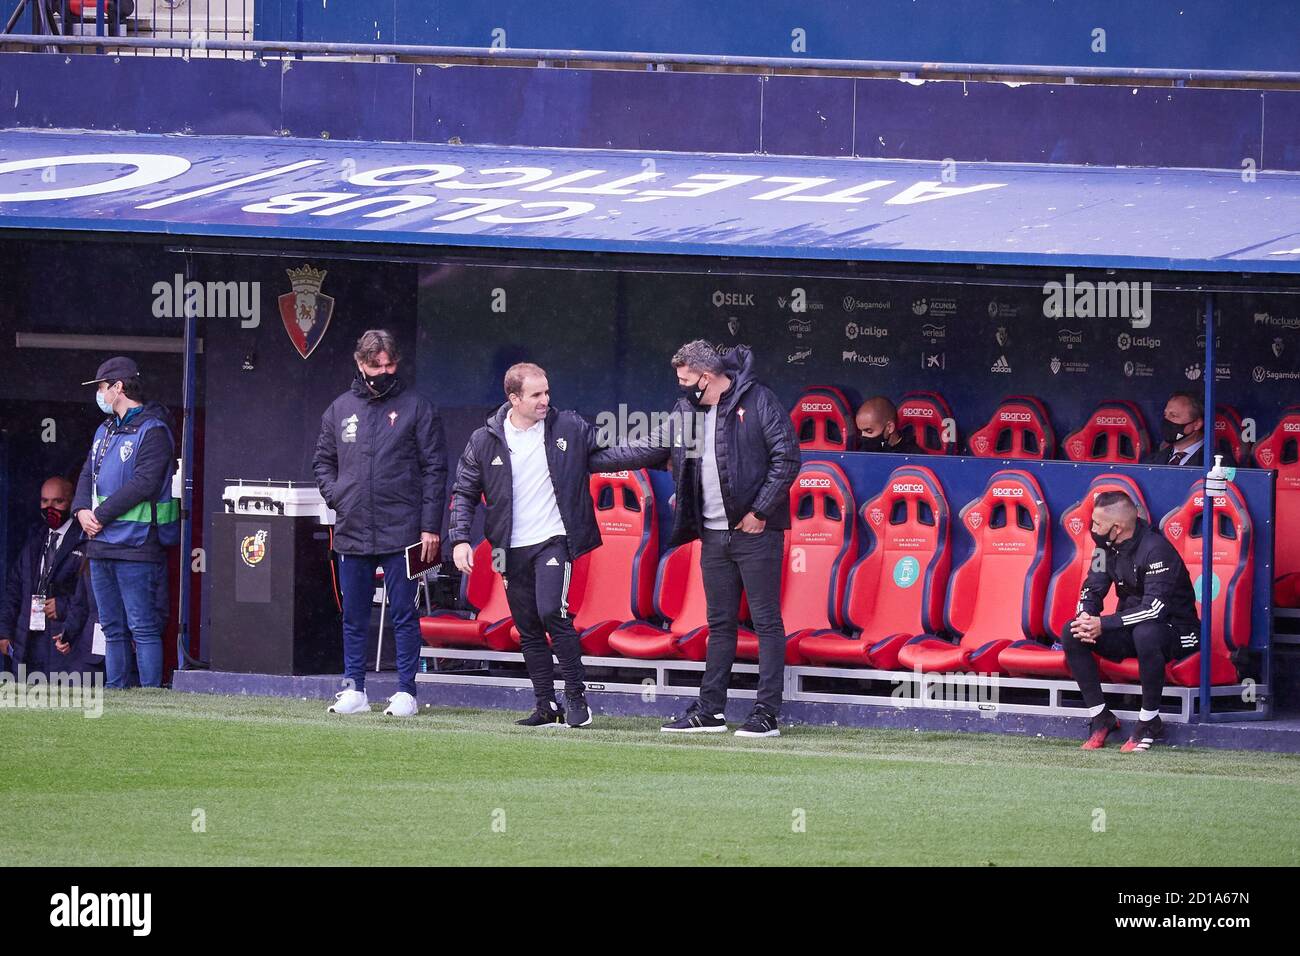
{"x": 694, "y": 394}
{"x": 879, "y": 443}
{"x": 54, "y": 517}
{"x": 1102, "y": 541}
{"x": 1174, "y": 431}
{"x": 381, "y": 383}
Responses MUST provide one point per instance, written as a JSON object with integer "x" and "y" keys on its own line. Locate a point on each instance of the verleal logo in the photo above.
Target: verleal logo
{"x": 907, "y": 489}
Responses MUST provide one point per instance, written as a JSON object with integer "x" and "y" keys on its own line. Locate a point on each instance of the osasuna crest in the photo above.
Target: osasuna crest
{"x": 876, "y": 515}
{"x": 1174, "y": 529}
{"x": 1277, "y": 348}
{"x": 975, "y": 519}
{"x": 305, "y": 312}
{"x": 981, "y": 444}
{"x": 1265, "y": 456}
{"x": 733, "y": 325}
{"x": 1076, "y": 448}
{"x": 1076, "y": 526}
{"x": 128, "y": 447}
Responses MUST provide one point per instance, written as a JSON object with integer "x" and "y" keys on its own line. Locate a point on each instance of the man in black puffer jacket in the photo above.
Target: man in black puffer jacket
{"x": 381, "y": 464}
{"x": 529, "y": 463}
{"x": 734, "y": 455}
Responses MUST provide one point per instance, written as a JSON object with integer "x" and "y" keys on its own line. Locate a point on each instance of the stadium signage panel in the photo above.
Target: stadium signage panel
{"x": 595, "y": 200}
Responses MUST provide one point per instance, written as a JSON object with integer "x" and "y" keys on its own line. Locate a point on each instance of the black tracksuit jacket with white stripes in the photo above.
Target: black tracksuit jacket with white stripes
{"x": 1150, "y": 578}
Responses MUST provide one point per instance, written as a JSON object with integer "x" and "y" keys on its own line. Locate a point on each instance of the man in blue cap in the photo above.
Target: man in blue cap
{"x": 125, "y": 505}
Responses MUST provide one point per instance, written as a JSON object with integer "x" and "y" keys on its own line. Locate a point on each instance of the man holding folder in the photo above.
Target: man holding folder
{"x": 381, "y": 464}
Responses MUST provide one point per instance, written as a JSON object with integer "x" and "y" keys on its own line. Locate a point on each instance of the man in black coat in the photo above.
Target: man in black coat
{"x": 1155, "y": 620}
{"x": 1182, "y": 434}
{"x": 734, "y": 456}
{"x": 529, "y": 463}
{"x": 381, "y": 464}
{"x": 41, "y": 583}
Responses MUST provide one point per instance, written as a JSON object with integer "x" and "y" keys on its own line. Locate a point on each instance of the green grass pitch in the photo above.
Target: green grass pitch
{"x": 171, "y": 778}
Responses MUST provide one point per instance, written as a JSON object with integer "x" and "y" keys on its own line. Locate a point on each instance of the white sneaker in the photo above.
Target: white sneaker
{"x": 401, "y": 704}
{"x": 350, "y": 702}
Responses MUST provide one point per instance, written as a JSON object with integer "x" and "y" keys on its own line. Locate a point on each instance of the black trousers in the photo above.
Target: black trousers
{"x": 732, "y": 562}
{"x": 537, "y": 590}
{"x": 1153, "y": 643}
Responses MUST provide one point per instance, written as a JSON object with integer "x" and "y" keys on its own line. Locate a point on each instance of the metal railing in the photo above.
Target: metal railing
{"x": 178, "y": 34}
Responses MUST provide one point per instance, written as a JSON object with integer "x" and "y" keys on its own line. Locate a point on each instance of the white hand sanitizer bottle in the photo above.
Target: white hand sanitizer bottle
{"x": 1216, "y": 479}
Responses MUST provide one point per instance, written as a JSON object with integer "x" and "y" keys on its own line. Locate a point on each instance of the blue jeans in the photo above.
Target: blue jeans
{"x": 357, "y": 579}
{"x": 126, "y": 593}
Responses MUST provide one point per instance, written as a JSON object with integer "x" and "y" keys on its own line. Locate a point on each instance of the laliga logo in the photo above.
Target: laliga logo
{"x": 816, "y": 407}
{"x": 1015, "y": 417}
{"x": 814, "y": 482}
{"x": 1005, "y": 492}
{"x": 900, "y": 489}
{"x": 876, "y": 516}
{"x": 1076, "y": 526}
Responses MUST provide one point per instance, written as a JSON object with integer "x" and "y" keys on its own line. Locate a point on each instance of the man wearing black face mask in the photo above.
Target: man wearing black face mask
{"x": 1182, "y": 433}
{"x": 381, "y": 464}
{"x": 877, "y": 422}
{"x": 41, "y": 583}
{"x": 733, "y": 487}
{"x": 1156, "y": 619}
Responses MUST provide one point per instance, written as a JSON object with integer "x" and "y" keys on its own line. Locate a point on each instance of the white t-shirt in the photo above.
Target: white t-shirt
{"x": 536, "y": 515}
{"x": 715, "y": 513}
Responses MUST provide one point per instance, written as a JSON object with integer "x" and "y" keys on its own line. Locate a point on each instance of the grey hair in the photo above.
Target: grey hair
{"x": 700, "y": 356}
{"x": 374, "y": 341}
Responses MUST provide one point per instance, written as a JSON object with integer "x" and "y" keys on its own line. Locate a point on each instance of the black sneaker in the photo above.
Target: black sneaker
{"x": 761, "y": 723}
{"x": 547, "y": 714}
{"x": 579, "y": 712}
{"x": 696, "y": 721}
{"x": 1145, "y": 734}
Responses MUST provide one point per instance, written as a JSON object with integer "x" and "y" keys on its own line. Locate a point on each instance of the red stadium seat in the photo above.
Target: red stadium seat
{"x": 1115, "y": 432}
{"x": 1280, "y": 450}
{"x": 620, "y": 574}
{"x": 1233, "y": 567}
{"x": 1227, "y": 435}
{"x": 1019, "y": 428}
{"x": 482, "y": 590}
{"x": 820, "y": 548}
{"x": 925, "y": 413}
{"x": 823, "y": 419}
{"x": 1034, "y": 659}
{"x": 997, "y": 595}
{"x": 897, "y": 590}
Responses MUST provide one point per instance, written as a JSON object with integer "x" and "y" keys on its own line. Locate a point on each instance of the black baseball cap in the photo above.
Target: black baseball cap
{"x": 116, "y": 369}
